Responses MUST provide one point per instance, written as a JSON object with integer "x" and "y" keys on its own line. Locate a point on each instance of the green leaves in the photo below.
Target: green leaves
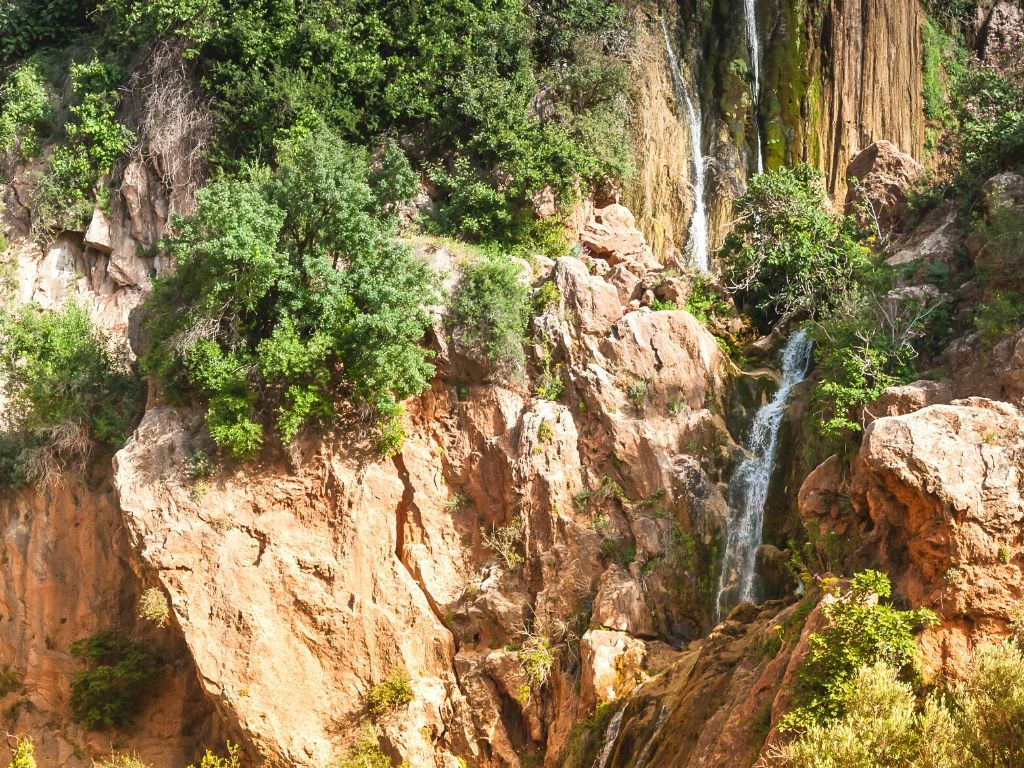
{"x": 788, "y": 253}
{"x": 25, "y": 107}
{"x": 489, "y": 313}
{"x": 118, "y": 679}
{"x": 861, "y": 632}
{"x": 288, "y": 295}
{"x": 66, "y": 388}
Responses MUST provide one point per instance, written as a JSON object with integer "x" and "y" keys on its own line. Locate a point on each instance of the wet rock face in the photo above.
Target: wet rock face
{"x": 878, "y": 180}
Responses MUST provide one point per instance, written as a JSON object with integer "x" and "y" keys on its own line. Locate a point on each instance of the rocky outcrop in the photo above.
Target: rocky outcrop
{"x": 878, "y": 179}
{"x": 69, "y": 573}
{"x": 935, "y": 500}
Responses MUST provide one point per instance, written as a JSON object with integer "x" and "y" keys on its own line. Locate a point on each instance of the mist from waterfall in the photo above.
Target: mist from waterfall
{"x": 748, "y": 489}
{"x": 698, "y": 235}
{"x": 754, "y": 43}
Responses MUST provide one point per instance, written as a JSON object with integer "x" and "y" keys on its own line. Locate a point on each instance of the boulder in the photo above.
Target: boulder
{"x": 620, "y": 603}
{"x": 942, "y": 491}
{"x": 612, "y": 234}
{"x": 897, "y": 401}
{"x": 880, "y": 176}
{"x": 97, "y": 236}
{"x": 934, "y": 240}
{"x": 612, "y": 665}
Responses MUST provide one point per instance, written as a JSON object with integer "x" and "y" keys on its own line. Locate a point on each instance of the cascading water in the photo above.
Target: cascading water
{"x": 754, "y": 43}
{"x": 748, "y": 489}
{"x": 609, "y": 740}
{"x": 698, "y": 239}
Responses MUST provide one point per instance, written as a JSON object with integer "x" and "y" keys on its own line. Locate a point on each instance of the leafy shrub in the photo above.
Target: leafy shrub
{"x": 866, "y": 342}
{"x": 550, "y": 385}
{"x": 489, "y": 312}
{"x": 505, "y": 541}
{"x": 28, "y": 24}
{"x": 23, "y": 754}
{"x": 363, "y": 69}
{"x": 861, "y": 632}
{"x": 704, "y": 302}
{"x": 118, "y": 679}
{"x": 389, "y": 694}
{"x": 988, "y": 99}
{"x": 880, "y": 728}
{"x": 978, "y": 723}
{"x": 210, "y": 760}
{"x": 366, "y": 752}
{"x": 788, "y": 252}
{"x": 990, "y": 706}
{"x": 289, "y": 294}
{"x": 67, "y": 389}
{"x": 537, "y": 657}
{"x": 153, "y": 607}
{"x": 25, "y": 107}
{"x": 1000, "y": 315}
{"x": 95, "y": 140}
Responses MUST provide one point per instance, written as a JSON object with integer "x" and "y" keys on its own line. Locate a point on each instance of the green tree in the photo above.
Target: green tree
{"x": 862, "y": 631}
{"x": 489, "y": 312}
{"x": 289, "y": 294}
{"x": 118, "y": 679}
{"x": 788, "y": 253}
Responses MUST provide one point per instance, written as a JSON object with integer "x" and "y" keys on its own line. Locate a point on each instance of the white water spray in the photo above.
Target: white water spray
{"x": 698, "y": 238}
{"x": 748, "y": 490}
{"x": 754, "y": 43}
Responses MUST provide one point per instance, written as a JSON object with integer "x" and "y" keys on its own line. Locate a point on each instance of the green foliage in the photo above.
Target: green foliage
{"x": 67, "y": 389}
{"x": 506, "y": 541}
{"x": 935, "y": 42}
{"x": 119, "y": 677}
{"x": 94, "y": 141}
{"x": 25, "y": 108}
{"x": 489, "y": 313}
{"x": 704, "y": 301}
{"x": 153, "y": 607}
{"x": 862, "y": 631}
{"x": 867, "y": 341}
{"x": 1000, "y": 315}
{"x": 537, "y": 657}
{"x": 29, "y": 24}
{"x": 210, "y": 760}
{"x": 23, "y": 754}
{"x": 392, "y": 178}
{"x": 978, "y": 723}
{"x": 460, "y": 76}
{"x": 389, "y": 694}
{"x": 988, "y": 103}
{"x": 990, "y": 707}
{"x": 288, "y": 294}
{"x": 880, "y": 728}
{"x": 120, "y": 760}
{"x": 788, "y": 252}
{"x": 545, "y": 295}
{"x": 550, "y": 385}
{"x": 366, "y": 752}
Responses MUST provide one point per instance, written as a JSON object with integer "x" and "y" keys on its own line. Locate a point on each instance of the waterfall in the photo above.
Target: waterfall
{"x": 748, "y": 489}
{"x": 698, "y": 236}
{"x": 609, "y": 740}
{"x": 754, "y": 43}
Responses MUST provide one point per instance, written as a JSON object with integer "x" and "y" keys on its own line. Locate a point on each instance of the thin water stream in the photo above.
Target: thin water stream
{"x": 748, "y": 489}
{"x": 754, "y": 43}
{"x": 698, "y": 236}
